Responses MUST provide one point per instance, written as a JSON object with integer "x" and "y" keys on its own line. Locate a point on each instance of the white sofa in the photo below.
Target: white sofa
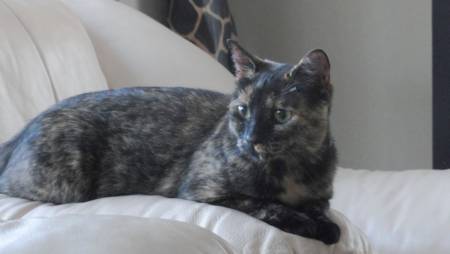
{"x": 50, "y": 50}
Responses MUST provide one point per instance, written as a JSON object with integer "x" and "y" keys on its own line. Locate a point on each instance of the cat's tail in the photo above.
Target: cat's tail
{"x": 6, "y": 150}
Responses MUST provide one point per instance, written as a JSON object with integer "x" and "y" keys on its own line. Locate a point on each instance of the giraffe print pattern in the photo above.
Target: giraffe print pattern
{"x": 206, "y": 23}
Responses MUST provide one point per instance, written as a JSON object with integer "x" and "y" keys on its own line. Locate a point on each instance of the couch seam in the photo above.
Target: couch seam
{"x": 36, "y": 46}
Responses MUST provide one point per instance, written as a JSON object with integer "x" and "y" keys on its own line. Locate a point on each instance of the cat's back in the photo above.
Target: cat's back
{"x": 159, "y": 113}
{"x": 142, "y": 99}
{"x": 133, "y": 138}
{"x": 162, "y": 122}
{"x": 140, "y": 106}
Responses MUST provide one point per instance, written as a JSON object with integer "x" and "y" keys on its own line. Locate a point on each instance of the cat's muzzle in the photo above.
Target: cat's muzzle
{"x": 256, "y": 152}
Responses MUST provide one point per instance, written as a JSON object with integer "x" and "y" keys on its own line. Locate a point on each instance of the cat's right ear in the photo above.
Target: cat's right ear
{"x": 245, "y": 64}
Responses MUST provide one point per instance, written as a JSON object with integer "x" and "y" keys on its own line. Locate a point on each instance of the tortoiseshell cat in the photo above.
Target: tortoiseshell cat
{"x": 266, "y": 150}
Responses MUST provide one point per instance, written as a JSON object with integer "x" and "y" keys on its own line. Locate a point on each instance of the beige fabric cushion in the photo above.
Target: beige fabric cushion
{"x": 45, "y": 56}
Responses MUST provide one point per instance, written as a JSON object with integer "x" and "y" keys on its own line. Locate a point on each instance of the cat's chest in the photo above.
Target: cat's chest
{"x": 293, "y": 191}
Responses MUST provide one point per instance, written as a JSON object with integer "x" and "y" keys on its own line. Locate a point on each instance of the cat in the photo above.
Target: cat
{"x": 265, "y": 150}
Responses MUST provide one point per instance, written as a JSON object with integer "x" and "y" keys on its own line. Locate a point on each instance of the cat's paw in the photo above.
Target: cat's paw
{"x": 328, "y": 232}
{"x": 323, "y": 230}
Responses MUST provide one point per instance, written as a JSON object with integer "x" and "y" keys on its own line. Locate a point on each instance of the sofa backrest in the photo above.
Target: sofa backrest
{"x": 45, "y": 56}
{"x": 135, "y": 50}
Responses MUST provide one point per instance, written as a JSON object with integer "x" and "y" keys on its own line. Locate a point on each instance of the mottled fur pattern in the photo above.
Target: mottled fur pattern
{"x": 265, "y": 150}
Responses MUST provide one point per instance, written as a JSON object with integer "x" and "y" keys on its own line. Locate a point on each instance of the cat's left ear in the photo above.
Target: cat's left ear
{"x": 245, "y": 64}
{"x": 315, "y": 64}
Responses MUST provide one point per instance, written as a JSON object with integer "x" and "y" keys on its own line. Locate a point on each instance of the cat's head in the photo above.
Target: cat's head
{"x": 280, "y": 109}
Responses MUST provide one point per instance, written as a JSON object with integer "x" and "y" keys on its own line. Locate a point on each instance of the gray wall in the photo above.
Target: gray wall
{"x": 381, "y": 68}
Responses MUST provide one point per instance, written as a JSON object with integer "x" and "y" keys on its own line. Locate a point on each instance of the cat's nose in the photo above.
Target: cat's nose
{"x": 254, "y": 150}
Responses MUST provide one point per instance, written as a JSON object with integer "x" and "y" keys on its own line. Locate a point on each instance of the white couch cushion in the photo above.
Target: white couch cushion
{"x": 402, "y": 212}
{"x": 45, "y": 56}
{"x": 243, "y": 232}
{"x": 135, "y": 50}
{"x": 106, "y": 235}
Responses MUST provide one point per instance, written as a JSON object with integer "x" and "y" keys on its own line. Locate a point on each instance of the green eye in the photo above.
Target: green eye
{"x": 242, "y": 109}
{"x": 282, "y": 116}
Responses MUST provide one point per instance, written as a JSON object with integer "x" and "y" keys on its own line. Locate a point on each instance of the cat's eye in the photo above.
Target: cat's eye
{"x": 282, "y": 116}
{"x": 242, "y": 109}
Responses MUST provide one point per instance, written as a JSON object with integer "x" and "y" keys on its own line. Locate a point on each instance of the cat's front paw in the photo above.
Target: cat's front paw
{"x": 328, "y": 232}
{"x": 323, "y": 230}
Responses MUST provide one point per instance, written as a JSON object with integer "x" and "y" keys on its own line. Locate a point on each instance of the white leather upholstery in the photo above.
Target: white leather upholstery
{"x": 243, "y": 232}
{"x": 135, "y": 50}
{"x": 45, "y": 56}
{"x": 106, "y": 235}
{"x": 402, "y": 212}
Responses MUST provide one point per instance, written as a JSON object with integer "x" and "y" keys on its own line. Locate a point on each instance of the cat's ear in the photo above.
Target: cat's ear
{"x": 245, "y": 64}
{"x": 315, "y": 64}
